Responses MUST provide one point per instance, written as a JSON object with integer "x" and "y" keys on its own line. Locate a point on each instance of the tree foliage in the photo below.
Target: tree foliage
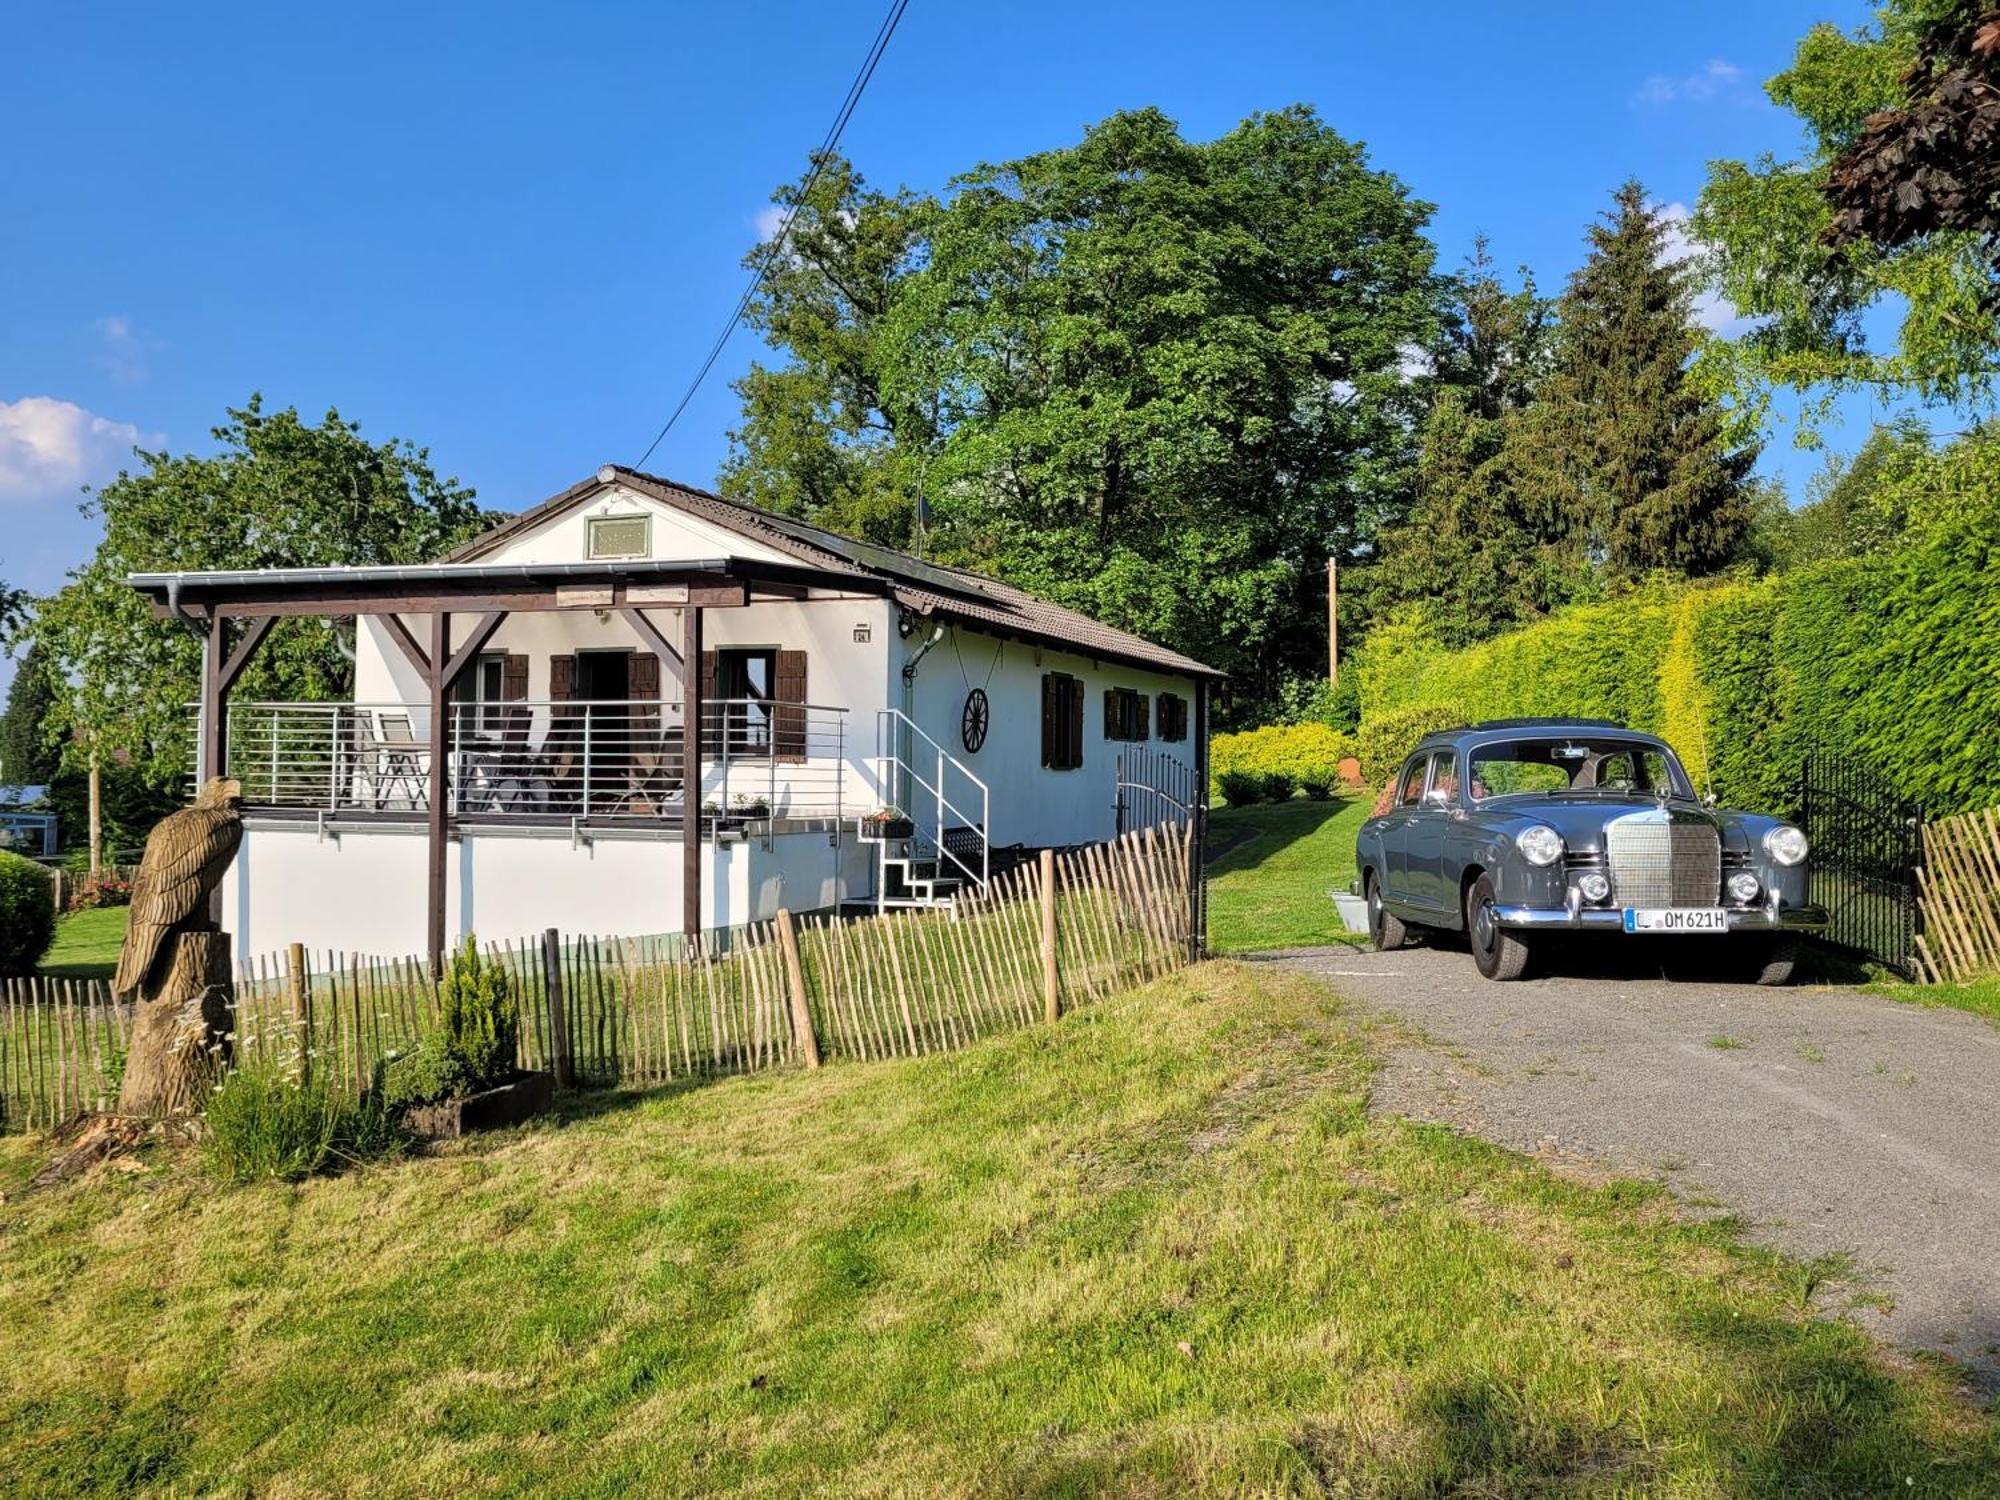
{"x": 279, "y": 493}
{"x": 26, "y": 756}
{"x": 1155, "y": 379}
{"x": 1806, "y": 248}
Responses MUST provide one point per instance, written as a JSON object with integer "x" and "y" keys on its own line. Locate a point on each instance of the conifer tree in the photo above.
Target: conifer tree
{"x": 1622, "y": 448}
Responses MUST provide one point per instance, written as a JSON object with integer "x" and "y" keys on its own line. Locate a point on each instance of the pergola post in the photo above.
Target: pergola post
{"x": 440, "y": 787}
{"x": 691, "y": 709}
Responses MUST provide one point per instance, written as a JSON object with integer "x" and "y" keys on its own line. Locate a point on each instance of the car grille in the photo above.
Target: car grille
{"x": 1657, "y": 859}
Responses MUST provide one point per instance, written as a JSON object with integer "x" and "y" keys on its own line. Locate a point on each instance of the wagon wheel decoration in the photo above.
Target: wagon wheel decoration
{"x": 972, "y": 723}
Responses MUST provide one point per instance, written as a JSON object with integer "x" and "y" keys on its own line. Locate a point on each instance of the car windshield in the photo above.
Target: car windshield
{"x": 1572, "y": 764}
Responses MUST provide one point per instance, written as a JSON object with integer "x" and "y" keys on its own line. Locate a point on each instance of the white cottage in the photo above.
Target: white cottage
{"x": 874, "y": 729}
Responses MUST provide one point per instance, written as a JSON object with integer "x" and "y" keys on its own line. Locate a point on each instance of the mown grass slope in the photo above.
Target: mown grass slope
{"x": 1268, "y": 888}
{"x": 1161, "y": 1247}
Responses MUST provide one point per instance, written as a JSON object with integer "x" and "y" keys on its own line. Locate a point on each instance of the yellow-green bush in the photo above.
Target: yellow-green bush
{"x": 1889, "y": 658}
{"x": 1310, "y": 754}
{"x": 1385, "y": 740}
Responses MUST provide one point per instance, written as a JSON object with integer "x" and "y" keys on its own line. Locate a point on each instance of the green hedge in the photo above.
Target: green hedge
{"x": 1302, "y": 755}
{"x": 27, "y": 914}
{"x": 1890, "y": 658}
{"x": 1387, "y": 739}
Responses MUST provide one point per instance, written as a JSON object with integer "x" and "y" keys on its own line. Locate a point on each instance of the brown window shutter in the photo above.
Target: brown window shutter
{"x": 788, "y": 686}
{"x": 711, "y": 716}
{"x": 1049, "y": 738}
{"x": 643, "y": 683}
{"x": 562, "y": 678}
{"x": 1142, "y": 713}
{"x": 1113, "y": 730}
{"x": 514, "y": 678}
{"x": 1075, "y": 724}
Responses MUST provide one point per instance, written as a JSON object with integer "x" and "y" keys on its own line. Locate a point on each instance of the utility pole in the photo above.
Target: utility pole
{"x": 1332, "y": 620}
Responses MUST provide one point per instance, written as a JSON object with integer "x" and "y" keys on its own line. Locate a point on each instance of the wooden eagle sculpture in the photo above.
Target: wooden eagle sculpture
{"x": 186, "y": 856}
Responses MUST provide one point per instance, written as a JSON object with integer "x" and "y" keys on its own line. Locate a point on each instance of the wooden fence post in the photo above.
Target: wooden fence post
{"x": 1051, "y": 986}
{"x": 552, "y": 987}
{"x": 302, "y": 1010}
{"x": 795, "y": 978}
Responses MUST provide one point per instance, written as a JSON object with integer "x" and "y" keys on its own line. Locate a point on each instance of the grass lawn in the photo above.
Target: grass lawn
{"x": 1161, "y": 1247}
{"x": 1981, "y": 997}
{"x": 1270, "y": 890}
{"x": 86, "y": 945}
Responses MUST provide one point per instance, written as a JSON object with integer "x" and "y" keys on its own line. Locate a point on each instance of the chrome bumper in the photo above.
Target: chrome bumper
{"x": 1577, "y": 918}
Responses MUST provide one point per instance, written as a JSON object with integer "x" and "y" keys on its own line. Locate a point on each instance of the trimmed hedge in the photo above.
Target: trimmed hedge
{"x": 1386, "y": 739}
{"x": 1298, "y": 755}
{"x": 1890, "y": 658}
{"x": 27, "y": 914}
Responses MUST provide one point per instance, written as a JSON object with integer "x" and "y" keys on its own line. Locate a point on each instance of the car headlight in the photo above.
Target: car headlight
{"x": 1540, "y": 845}
{"x": 1785, "y": 844}
{"x": 1594, "y": 885}
{"x": 1744, "y": 888}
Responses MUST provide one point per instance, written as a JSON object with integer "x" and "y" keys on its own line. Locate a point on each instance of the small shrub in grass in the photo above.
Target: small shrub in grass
{"x": 272, "y": 1122}
{"x": 427, "y": 1073}
{"x": 1240, "y": 788}
{"x": 477, "y": 1040}
{"x": 1319, "y": 788}
{"x": 27, "y": 914}
{"x": 97, "y": 891}
{"x": 1279, "y": 786}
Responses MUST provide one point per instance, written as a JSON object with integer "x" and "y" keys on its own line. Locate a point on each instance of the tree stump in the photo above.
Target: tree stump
{"x": 179, "y": 1030}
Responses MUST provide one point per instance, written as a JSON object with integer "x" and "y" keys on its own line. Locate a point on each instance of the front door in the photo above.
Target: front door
{"x": 604, "y": 684}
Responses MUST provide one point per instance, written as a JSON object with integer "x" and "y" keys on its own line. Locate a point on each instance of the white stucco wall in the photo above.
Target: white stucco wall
{"x": 364, "y": 891}
{"x": 1033, "y": 805}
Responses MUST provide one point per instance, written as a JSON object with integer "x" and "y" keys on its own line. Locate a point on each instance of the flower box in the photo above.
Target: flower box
{"x": 527, "y": 1095}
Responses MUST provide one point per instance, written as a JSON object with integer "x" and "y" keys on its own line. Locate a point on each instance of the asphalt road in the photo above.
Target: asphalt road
{"x": 1832, "y": 1122}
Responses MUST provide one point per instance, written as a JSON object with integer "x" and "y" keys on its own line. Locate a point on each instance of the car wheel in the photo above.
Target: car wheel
{"x": 1385, "y": 930}
{"x": 1498, "y": 953}
{"x": 1781, "y": 962}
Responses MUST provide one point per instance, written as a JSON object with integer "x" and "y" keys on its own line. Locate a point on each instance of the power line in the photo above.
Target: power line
{"x": 826, "y": 148}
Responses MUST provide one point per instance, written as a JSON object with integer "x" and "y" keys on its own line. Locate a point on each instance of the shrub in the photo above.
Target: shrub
{"x": 27, "y": 914}
{"x": 1303, "y": 753}
{"x": 1240, "y": 788}
{"x": 1318, "y": 790}
{"x": 1278, "y": 786}
{"x": 101, "y": 890}
{"x": 476, "y": 1041}
{"x": 275, "y": 1121}
{"x": 1386, "y": 739}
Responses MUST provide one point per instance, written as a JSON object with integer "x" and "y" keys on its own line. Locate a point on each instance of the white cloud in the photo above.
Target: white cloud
{"x": 1715, "y": 79}
{"x": 770, "y": 219}
{"x": 50, "y": 448}
{"x": 1712, "y": 310}
{"x": 123, "y": 350}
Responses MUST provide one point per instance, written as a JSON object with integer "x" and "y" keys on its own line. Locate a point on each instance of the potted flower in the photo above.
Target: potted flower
{"x": 463, "y": 1076}
{"x": 888, "y": 823}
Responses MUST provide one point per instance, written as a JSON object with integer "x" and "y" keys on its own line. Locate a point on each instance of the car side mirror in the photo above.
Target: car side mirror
{"x": 1709, "y": 799}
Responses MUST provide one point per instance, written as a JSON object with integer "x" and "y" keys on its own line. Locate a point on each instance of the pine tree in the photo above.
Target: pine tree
{"x": 1622, "y": 447}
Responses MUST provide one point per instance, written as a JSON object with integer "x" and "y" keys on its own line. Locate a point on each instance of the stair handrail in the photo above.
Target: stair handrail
{"x": 895, "y": 720}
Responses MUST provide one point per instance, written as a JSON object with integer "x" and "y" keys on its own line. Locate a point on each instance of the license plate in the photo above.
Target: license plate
{"x": 1676, "y": 919}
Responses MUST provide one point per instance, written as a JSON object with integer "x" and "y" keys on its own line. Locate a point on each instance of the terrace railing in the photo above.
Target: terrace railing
{"x": 592, "y": 759}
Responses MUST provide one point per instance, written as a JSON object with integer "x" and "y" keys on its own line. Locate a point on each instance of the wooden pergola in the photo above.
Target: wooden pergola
{"x": 233, "y": 612}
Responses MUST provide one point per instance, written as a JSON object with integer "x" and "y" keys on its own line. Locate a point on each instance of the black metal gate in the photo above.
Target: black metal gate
{"x": 1866, "y": 840}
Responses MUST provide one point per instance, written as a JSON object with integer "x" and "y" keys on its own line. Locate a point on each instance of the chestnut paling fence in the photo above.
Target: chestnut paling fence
{"x": 1043, "y": 938}
{"x": 1958, "y": 887}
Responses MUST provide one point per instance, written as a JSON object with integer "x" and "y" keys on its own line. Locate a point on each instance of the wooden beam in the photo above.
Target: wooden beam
{"x": 650, "y": 634}
{"x": 407, "y": 644}
{"x": 471, "y": 596}
{"x": 475, "y": 643}
{"x": 212, "y": 752}
{"x": 253, "y": 637}
{"x": 439, "y": 791}
{"x": 691, "y": 777}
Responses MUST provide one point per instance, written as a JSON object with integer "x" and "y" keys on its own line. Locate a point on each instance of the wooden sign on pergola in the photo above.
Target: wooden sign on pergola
{"x": 233, "y": 612}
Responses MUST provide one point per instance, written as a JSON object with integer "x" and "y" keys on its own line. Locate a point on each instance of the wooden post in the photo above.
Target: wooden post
{"x": 1332, "y": 619}
{"x": 795, "y": 979}
{"x": 440, "y": 789}
{"x": 691, "y": 775}
{"x": 552, "y": 986}
{"x": 302, "y": 1010}
{"x": 1051, "y": 988}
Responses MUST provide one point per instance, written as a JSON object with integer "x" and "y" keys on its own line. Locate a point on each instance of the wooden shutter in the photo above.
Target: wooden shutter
{"x": 1113, "y": 729}
{"x": 562, "y": 678}
{"x": 1049, "y": 738}
{"x": 1075, "y": 723}
{"x": 711, "y": 716}
{"x": 514, "y": 678}
{"x": 1142, "y": 715}
{"x": 788, "y": 687}
{"x": 643, "y": 683}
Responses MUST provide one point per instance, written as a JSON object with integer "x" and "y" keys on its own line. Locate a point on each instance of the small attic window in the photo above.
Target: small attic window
{"x": 620, "y": 536}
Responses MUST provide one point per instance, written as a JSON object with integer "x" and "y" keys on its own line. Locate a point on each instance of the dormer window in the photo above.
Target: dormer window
{"x": 619, "y": 536}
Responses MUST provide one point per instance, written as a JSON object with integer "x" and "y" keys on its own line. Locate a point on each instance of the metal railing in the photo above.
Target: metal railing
{"x": 951, "y": 807}
{"x": 601, "y": 758}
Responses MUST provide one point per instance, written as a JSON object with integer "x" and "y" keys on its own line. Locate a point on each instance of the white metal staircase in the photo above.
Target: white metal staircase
{"x": 946, "y": 847}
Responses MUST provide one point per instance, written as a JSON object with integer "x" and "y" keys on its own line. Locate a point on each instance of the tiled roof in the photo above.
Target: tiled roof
{"x": 925, "y": 587}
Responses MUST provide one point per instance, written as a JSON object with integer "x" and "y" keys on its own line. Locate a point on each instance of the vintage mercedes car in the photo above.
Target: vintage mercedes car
{"x": 1519, "y": 830}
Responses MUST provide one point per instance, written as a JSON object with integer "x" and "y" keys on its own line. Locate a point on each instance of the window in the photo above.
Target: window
{"x": 1062, "y": 722}
{"x": 1173, "y": 717}
{"x": 1125, "y": 714}
{"x": 485, "y": 686}
{"x": 619, "y": 536}
{"x": 1444, "y": 774}
{"x": 746, "y": 681}
{"x": 1413, "y": 783}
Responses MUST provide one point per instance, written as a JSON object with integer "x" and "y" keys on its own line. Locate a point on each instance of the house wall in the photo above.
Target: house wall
{"x": 364, "y": 890}
{"x": 1031, "y": 804}
{"x": 675, "y": 536}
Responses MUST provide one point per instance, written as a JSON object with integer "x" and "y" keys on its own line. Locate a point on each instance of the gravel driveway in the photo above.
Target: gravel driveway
{"x": 1831, "y": 1121}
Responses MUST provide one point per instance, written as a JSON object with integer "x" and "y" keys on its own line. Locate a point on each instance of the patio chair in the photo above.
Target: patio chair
{"x": 404, "y": 760}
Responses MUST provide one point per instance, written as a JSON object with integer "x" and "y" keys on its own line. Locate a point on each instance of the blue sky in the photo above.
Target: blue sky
{"x": 511, "y": 232}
